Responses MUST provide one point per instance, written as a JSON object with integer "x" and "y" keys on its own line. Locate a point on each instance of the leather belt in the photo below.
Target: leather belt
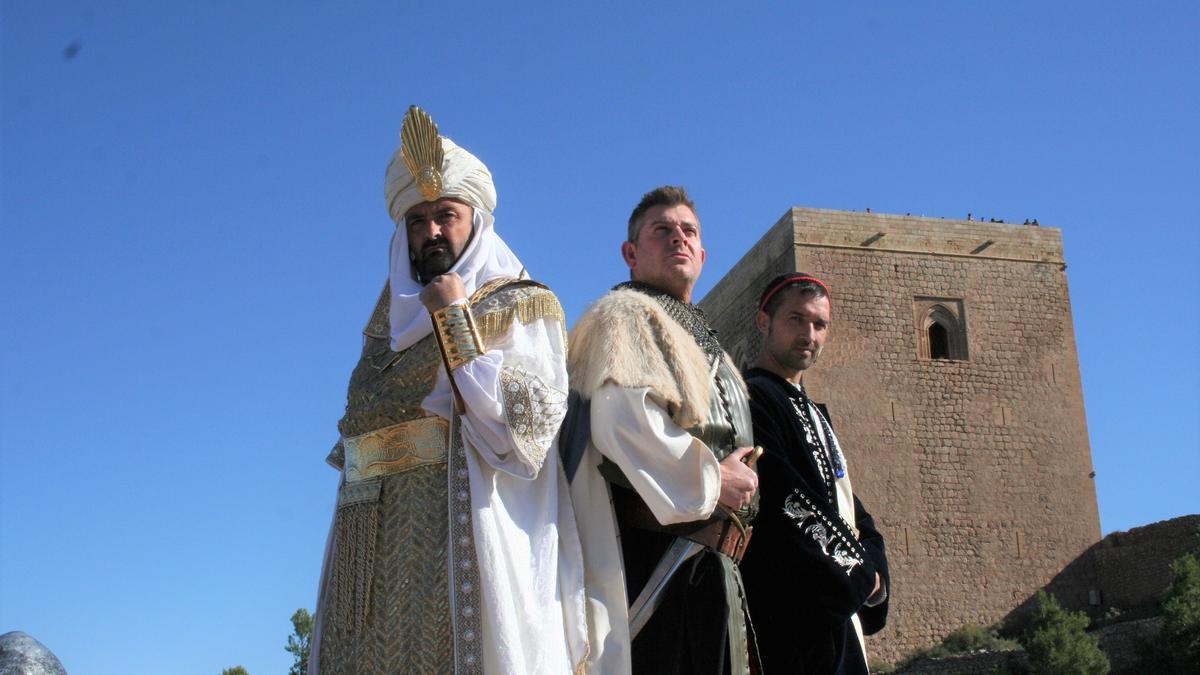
{"x": 397, "y": 448}
{"x": 724, "y": 533}
{"x": 728, "y": 536}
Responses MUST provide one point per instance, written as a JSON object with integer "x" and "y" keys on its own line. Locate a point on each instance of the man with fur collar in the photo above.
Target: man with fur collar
{"x": 664, "y": 438}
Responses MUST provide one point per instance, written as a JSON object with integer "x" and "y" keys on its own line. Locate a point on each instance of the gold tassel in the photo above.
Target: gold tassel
{"x": 541, "y": 306}
{"x": 355, "y": 566}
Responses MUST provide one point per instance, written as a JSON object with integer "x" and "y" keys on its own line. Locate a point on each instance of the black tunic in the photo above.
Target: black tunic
{"x": 806, "y": 573}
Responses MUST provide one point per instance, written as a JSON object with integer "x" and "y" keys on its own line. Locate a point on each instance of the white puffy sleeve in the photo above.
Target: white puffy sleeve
{"x": 674, "y": 473}
{"x": 516, "y": 396}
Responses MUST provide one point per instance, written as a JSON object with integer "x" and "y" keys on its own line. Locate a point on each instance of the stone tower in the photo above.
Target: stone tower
{"x": 952, "y": 379}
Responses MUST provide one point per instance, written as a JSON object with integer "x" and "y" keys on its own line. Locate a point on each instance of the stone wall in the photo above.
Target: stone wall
{"x": 1126, "y": 573}
{"x": 1134, "y": 567}
{"x": 1124, "y": 643}
{"x": 978, "y": 470}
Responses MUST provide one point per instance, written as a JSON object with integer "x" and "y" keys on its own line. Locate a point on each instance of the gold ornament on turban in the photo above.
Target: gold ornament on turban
{"x": 422, "y": 149}
{"x": 427, "y": 167}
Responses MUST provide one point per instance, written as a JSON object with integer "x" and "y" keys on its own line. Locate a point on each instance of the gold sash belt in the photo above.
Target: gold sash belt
{"x": 397, "y": 448}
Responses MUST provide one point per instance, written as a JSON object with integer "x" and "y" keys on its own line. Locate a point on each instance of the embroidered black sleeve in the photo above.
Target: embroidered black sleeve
{"x": 826, "y": 533}
{"x": 804, "y": 558}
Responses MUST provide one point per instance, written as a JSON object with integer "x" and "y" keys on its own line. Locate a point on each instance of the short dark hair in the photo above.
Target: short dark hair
{"x": 667, "y": 195}
{"x": 772, "y": 296}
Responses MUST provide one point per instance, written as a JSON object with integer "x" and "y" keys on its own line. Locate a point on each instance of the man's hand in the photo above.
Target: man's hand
{"x": 738, "y": 481}
{"x": 443, "y": 290}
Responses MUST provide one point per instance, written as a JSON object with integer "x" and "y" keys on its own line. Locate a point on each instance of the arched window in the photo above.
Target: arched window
{"x": 939, "y": 341}
{"x": 942, "y": 331}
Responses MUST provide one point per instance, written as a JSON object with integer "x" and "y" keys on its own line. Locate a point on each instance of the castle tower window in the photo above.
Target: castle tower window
{"x": 939, "y": 341}
{"x": 941, "y": 329}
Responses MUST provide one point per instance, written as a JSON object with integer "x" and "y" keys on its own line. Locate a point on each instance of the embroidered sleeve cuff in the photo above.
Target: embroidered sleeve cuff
{"x": 533, "y": 409}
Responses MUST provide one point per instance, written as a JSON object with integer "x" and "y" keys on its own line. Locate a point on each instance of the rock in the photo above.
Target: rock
{"x": 22, "y": 655}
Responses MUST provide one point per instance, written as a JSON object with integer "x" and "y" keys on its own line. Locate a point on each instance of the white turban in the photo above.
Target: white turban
{"x": 486, "y": 256}
{"x": 464, "y": 178}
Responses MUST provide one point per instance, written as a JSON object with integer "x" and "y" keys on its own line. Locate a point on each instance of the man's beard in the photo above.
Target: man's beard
{"x": 435, "y": 262}
{"x": 792, "y": 361}
{"x": 806, "y": 363}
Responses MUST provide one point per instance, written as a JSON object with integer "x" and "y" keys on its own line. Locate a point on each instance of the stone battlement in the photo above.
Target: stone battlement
{"x": 918, "y": 234}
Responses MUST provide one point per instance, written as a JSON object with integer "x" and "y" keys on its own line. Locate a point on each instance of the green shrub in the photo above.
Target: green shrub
{"x": 971, "y": 638}
{"x": 964, "y": 640}
{"x": 1177, "y": 649}
{"x": 1057, "y": 644}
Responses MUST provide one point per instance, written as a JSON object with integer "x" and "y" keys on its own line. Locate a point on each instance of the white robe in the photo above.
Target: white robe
{"x": 675, "y": 474}
{"x": 526, "y": 546}
{"x": 525, "y": 538}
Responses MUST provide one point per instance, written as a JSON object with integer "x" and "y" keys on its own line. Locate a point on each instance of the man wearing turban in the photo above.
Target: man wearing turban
{"x": 453, "y": 546}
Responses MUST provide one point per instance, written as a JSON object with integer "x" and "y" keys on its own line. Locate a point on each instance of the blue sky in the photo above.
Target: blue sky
{"x": 193, "y": 234}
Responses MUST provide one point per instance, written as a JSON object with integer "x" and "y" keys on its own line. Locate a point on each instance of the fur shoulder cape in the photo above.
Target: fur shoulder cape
{"x": 626, "y": 338}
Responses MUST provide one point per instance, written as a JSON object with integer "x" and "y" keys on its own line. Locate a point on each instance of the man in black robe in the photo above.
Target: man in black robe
{"x": 816, "y": 573}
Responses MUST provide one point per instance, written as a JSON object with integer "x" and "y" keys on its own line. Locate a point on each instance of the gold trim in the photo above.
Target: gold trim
{"x": 397, "y": 448}
{"x": 421, "y": 147}
{"x": 490, "y": 287}
{"x": 542, "y": 305}
{"x": 457, "y": 335}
